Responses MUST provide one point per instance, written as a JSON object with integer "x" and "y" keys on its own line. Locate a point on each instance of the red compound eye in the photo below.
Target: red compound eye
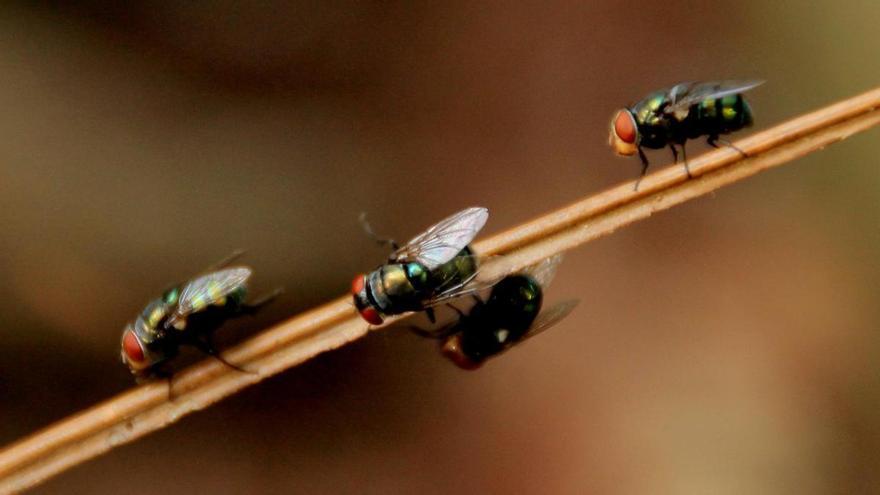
{"x": 357, "y": 285}
{"x": 371, "y": 315}
{"x": 132, "y": 347}
{"x": 452, "y": 350}
{"x": 625, "y": 127}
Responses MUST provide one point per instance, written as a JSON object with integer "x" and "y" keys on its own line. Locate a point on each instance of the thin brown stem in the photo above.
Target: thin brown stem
{"x": 147, "y": 408}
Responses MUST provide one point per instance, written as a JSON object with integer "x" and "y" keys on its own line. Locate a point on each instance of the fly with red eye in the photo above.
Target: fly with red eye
{"x": 187, "y": 314}
{"x": 431, "y": 268}
{"x": 510, "y": 314}
{"x": 670, "y": 117}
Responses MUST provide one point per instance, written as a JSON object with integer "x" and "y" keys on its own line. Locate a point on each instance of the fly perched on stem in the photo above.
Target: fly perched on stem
{"x": 510, "y": 314}
{"x": 188, "y": 314}
{"x": 670, "y": 117}
{"x": 432, "y": 268}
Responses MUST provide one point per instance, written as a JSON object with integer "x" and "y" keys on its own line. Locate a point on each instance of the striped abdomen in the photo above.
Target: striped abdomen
{"x": 718, "y": 116}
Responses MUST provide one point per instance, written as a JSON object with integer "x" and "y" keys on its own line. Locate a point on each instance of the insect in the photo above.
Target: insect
{"x": 511, "y": 314}
{"x": 685, "y": 111}
{"x": 187, "y": 314}
{"x": 432, "y": 268}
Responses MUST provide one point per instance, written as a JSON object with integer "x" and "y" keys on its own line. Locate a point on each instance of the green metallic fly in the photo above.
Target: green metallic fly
{"x": 432, "y": 268}
{"x": 511, "y": 313}
{"x": 187, "y": 314}
{"x": 685, "y": 111}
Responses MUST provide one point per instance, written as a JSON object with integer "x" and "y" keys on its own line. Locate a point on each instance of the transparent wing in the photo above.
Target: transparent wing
{"x": 209, "y": 289}
{"x": 443, "y": 241}
{"x": 550, "y": 317}
{"x": 545, "y": 270}
{"x": 682, "y": 96}
{"x": 475, "y": 283}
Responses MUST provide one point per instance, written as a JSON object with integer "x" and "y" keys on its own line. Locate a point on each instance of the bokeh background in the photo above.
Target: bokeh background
{"x": 729, "y": 345}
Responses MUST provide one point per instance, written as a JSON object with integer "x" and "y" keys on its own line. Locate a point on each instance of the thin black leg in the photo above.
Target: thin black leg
{"x": 644, "y": 169}
{"x": 160, "y": 374}
{"x": 170, "y": 380}
{"x": 674, "y": 153}
{"x": 432, "y": 317}
{"x": 382, "y": 241}
{"x": 714, "y": 140}
{"x": 684, "y": 156}
{"x": 207, "y": 347}
{"x": 460, "y": 313}
{"x": 440, "y": 333}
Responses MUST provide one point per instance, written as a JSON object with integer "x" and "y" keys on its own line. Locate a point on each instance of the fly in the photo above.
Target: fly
{"x": 685, "y": 111}
{"x": 433, "y": 267}
{"x": 187, "y": 314}
{"x": 511, "y": 314}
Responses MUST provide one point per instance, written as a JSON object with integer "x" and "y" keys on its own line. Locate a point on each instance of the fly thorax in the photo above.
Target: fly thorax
{"x": 155, "y": 313}
{"x": 418, "y": 276}
{"x": 396, "y": 285}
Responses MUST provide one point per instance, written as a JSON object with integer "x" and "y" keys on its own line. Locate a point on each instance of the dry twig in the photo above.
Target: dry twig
{"x": 146, "y": 408}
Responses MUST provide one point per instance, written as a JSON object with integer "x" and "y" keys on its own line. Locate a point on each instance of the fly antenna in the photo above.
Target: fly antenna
{"x": 382, "y": 241}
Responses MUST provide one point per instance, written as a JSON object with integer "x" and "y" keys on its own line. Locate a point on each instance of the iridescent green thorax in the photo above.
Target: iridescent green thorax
{"x": 400, "y": 287}
{"x": 647, "y": 111}
{"x": 171, "y": 295}
{"x": 156, "y": 312}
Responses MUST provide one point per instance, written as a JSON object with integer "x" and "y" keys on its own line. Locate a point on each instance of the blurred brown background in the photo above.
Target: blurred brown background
{"x": 727, "y": 346}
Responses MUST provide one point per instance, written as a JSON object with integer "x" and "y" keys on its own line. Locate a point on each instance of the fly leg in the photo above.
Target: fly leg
{"x": 674, "y": 153}
{"x": 440, "y": 333}
{"x": 644, "y": 168}
{"x": 687, "y": 167}
{"x": 252, "y": 307}
{"x": 159, "y": 373}
{"x": 206, "y": 345}
{"x": 382, "y": 241}
{"x": 429, "y": 312}
{"x": 714, "y": 140}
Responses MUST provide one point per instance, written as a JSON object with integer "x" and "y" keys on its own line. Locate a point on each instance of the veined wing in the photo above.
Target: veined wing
{"x": 443, "y": 241}
{"x": 549, "y": 317}
{"x": 545, "y": 270}
{"x": 542, "y": 272}
{"x": 683, "y": 96}
{"x": 210, "y": 289}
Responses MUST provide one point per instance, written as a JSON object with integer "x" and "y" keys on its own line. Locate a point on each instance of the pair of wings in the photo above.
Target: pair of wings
{"x": 543, "y": 272}
{"x": 440, "y": 244}
{"x": 683, "y": 96}
{"x": 209, "y": 289}
{"x": 443, "y": 240}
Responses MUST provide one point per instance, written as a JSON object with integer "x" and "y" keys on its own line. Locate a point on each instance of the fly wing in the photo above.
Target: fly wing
{"x": 469, "y": 285}
{"x": 545, "y": 270}
{"x": 550, "y": 317}
{"x": 683, "y": 96}
{"x": 542, "y": 272}
{"x": 210, "y": 289}
{"x": 443, "y": 241}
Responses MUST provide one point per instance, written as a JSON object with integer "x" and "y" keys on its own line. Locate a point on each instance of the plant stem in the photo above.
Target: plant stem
{"x": 147, "y": 408}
